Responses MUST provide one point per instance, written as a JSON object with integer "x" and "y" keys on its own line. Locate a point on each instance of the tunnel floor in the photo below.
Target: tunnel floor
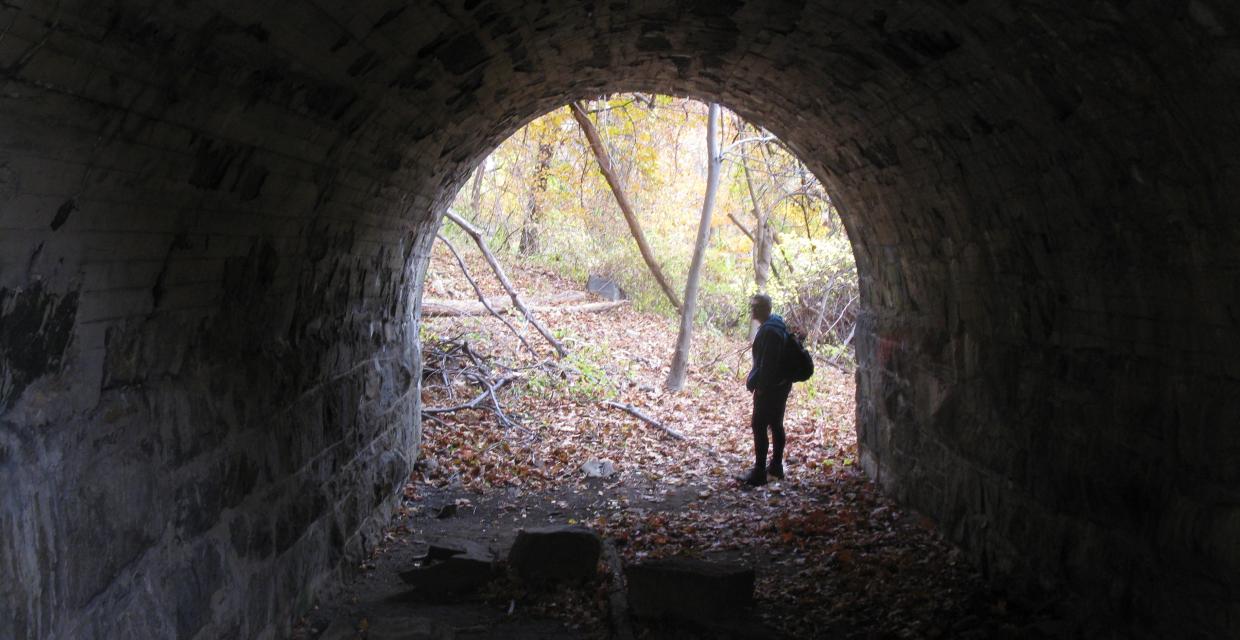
{"x": 832, "y": 556}
{"x": 833, "y": 560}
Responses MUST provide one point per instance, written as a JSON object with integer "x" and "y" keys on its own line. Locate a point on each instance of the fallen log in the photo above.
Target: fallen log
{"x": 505, "y": 301}
{"x": 453, "y": 308}
{"x": 590, "y": 307}
{"x": 637, "y": 413}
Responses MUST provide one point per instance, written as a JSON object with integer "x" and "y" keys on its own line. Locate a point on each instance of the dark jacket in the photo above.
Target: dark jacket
{"x": 768, "y": 346}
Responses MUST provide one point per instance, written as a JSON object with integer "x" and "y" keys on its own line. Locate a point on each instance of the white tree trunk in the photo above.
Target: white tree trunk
{"x": 680, "y": 358}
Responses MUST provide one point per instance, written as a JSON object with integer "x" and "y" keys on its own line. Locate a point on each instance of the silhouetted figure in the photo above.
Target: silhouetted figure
{"x": 770, "y": 389}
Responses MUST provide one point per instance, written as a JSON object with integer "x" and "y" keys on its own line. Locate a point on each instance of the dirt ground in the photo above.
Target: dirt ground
{"x": 833, "y": 557}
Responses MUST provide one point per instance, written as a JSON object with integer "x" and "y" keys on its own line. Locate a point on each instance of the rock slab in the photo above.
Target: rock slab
{"x": 408, "y": 628}
{"x": 555, "y": 554}
{"x": 454, "y": 567}
{"x": 448, "y": 547}
{"x": 689, "y": 589}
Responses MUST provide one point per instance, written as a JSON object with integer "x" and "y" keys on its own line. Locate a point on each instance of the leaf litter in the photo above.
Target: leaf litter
{"x": 834, "y": 557}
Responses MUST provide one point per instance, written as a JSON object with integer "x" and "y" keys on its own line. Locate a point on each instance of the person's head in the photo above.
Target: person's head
{"x": 760, "y": 307}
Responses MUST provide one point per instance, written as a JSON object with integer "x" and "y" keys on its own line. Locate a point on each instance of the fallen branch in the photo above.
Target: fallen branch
{"x": 445, "y": 308}
{"x": 721, "y": 356}
{"x": 503, "y": 280}
{"x": 830, "y": 362}
{"x": 842, "y": 312}
{"x": 637, "y": 413}
{"x": 482, "y": 297}
{"x": 489, "y": 390}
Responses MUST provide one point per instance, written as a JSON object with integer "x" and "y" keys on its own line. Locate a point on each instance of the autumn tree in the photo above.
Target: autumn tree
{"x": 625, "y": 203}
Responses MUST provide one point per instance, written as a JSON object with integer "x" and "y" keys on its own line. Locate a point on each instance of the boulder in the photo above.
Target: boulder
{"x": 555, "y": 553}
{"x": 689, "y": 589}
{"x": 605, "y": 287}
{"x": 598, "y": 468}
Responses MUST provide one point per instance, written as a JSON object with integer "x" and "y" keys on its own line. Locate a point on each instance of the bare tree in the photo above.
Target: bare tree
{"x": 533, "y": 209}
{"x": 680, "y": 358}
{"x": 605, "y": 165}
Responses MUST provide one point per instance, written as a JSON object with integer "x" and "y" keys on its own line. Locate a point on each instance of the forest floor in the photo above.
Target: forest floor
{"x": 833, "y": 557}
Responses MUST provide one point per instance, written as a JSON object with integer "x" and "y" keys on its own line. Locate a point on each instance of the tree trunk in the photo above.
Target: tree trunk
{"x": 604, "y": 165}
{"x": 475, "y": 193}
{"x": 801, "y": 173}
{"x": 762, "y": 236}
{"x": 680, "y": 358}
{"x": 748, "y": 234}
{"x": 533, "y": 210}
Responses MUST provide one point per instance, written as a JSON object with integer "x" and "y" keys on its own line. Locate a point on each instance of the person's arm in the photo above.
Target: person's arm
{"x": 751, "y": 381}
{"x": 766, "y": 359}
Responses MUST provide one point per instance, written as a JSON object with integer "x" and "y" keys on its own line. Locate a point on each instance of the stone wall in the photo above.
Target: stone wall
{"x": 206, "y": 287}
{"x": 214, "y": 218}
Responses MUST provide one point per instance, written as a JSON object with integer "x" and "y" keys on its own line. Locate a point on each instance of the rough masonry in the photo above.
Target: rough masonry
{"x": 215, "y": 215}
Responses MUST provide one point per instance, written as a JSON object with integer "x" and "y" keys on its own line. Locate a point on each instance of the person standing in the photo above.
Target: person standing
{"x": 770, "y": 388}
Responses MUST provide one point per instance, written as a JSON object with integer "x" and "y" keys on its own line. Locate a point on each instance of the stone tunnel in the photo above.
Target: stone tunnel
{"x": 215, "y": 217}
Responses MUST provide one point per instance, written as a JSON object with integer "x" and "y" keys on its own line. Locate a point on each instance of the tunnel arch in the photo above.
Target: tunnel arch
{"x": 215, "y": 217}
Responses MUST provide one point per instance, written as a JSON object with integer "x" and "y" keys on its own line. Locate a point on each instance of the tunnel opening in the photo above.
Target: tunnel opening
{"x": 513, "y": 439}
{"x": 549, "y": 206}
{"x": 214, "y": 218}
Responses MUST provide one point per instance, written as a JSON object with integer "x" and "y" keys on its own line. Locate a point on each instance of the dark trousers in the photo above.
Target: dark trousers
{"x": 768, "y": 413}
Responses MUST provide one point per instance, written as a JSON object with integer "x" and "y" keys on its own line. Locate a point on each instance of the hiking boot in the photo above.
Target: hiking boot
{"x": 776, "y": 470}
{"x": 755, "y": 478}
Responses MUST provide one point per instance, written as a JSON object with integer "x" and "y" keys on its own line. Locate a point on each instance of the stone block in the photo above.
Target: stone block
{"x": 689, "y": 589}
{"x": 555, "y": 553}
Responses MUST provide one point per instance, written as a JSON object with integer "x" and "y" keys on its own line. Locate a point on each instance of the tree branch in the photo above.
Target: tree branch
{"x": 740, "y": 226}
{"x": 745, "y": 141}
{"x": 503, "y": 280}
{"x": 605, "y": 165}
{"x": 481, "y": 296}
{"x": 637, "y": 413}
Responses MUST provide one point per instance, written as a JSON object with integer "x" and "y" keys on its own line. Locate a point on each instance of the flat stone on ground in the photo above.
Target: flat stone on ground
{"x": 408, "y": 628}
{"x": 444, "y": 548}
{"x": 455, "y": 575}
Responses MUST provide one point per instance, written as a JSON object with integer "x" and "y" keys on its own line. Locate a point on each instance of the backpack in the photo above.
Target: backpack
{"x": 796, "y": 361}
